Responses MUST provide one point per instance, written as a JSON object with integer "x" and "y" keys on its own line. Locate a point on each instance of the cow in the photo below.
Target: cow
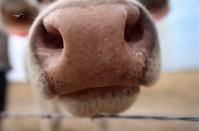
{"x": 89, "y": 56}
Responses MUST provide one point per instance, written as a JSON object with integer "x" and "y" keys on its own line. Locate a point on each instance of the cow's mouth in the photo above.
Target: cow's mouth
{"x": 93, "y": 101}
{"x": 101, "y": 91}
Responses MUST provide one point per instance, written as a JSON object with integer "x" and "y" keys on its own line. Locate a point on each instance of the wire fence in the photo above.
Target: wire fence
{"x": 138, "y": 117}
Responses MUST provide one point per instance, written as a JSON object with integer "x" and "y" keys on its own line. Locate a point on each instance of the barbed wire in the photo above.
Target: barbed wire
{"x": 138, "y": 117}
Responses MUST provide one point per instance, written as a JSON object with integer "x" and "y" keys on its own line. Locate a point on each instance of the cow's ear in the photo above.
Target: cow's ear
{"x": 158, "y": 8}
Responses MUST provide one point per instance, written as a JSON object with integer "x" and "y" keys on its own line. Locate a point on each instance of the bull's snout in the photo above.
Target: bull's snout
{"x": 93, "y": 55}
{"x": 91, "y": 47}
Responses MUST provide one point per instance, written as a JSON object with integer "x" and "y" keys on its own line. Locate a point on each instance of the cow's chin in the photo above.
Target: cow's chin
{"x": 91, "y": 102}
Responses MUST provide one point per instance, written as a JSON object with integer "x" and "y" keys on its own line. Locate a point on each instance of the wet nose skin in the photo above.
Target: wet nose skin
{"x": 88, "y": 49}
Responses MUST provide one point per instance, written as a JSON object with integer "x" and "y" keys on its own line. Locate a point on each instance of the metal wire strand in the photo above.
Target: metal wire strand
{"x": 138, "y": 117}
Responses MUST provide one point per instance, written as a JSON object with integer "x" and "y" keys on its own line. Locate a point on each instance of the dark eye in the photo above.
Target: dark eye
{"x": 19, "y": 16}
{"x": 23, "y": 14}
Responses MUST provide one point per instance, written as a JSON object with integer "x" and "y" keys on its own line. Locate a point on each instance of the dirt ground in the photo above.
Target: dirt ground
{"x": 176, "y": 94}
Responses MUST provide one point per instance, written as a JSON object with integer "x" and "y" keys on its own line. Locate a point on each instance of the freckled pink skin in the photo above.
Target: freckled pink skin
{"x": 95, "y": 53}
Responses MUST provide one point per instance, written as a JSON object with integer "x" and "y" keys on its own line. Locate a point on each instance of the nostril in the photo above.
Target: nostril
{"x": 48, "y": 46}
{"x": 133, "y": 30}
{"x": 51, "y": 38}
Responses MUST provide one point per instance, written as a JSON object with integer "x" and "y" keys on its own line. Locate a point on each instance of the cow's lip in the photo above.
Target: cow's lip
{"x": 99, "y": 91}
{"x": 93, "y": 101}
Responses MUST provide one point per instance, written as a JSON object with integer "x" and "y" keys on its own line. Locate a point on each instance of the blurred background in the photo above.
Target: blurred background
{"x": 176, "y": 94}
{"x": 179, "y": 33}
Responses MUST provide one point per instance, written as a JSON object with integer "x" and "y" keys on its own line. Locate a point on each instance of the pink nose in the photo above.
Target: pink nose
{"x": 87, "y": 47}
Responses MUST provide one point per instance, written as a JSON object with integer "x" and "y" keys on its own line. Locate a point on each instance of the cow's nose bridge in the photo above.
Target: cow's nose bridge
{"x": 90, "y": 32}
